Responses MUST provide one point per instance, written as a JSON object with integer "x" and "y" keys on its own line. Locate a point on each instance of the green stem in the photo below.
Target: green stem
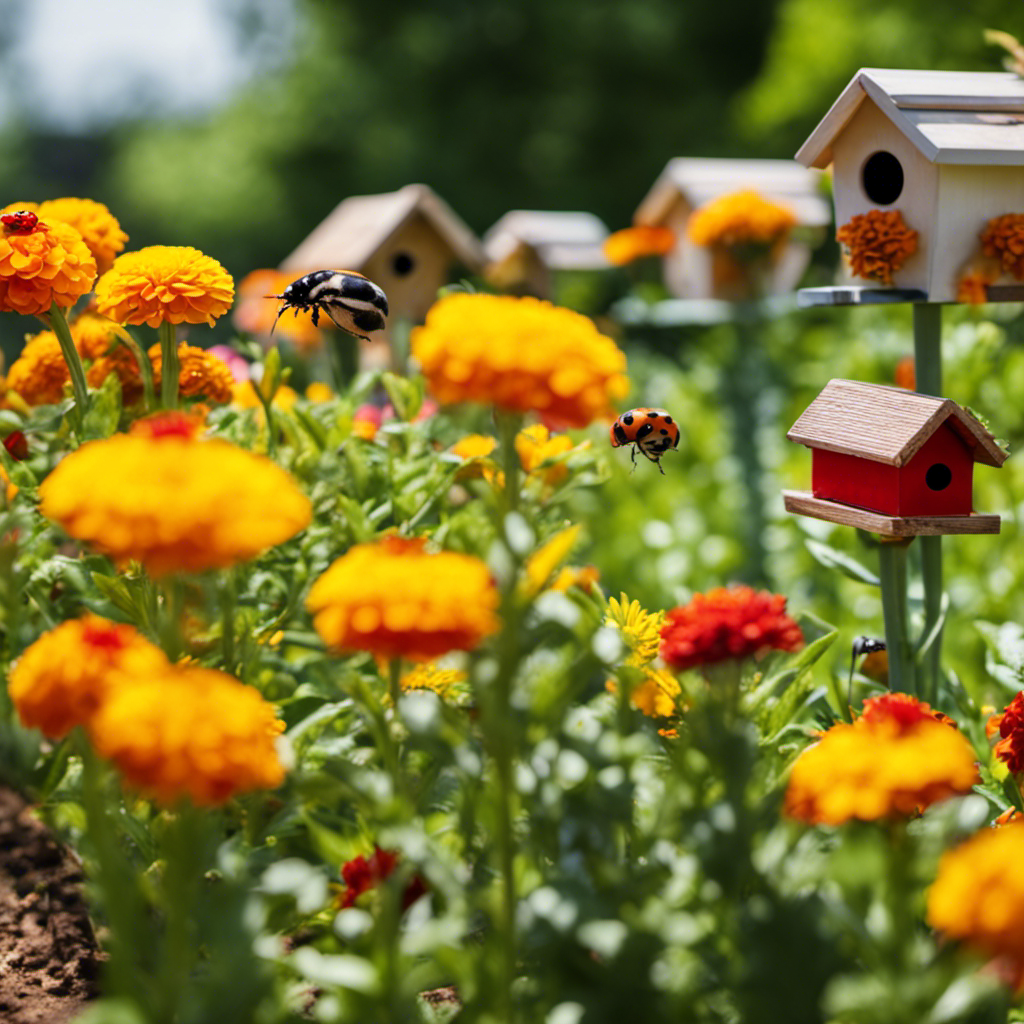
{"x": 928, "y": 375}
{"x": 509, "y": 424}
{"x": 74, "y": 361}
{"x": 892, "y": 571}
{"x": 170, "y": 368}
{"x": 227, "y": 629}
{"x": 344, "y": 359}
{"x": 145, "y": 368}
{"x": 171, "y": 612}
{"x": 395, "y": 682}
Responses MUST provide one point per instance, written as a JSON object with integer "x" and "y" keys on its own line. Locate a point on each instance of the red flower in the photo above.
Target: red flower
{"x": 361, "y": 874}
{"x": 727, "y": 623}
{"x": 1011, "y": 728}
{"x": 16, "y": 445}
{"x": 902, "y": 709}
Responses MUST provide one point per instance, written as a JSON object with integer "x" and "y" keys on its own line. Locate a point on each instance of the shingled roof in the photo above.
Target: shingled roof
{"x": 885, "y": 424}
{"x": 952, "y": 117}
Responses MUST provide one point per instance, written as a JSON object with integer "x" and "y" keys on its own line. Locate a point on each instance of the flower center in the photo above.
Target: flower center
{"x": 104, "y": 638}
{"x": 167, "y": 424}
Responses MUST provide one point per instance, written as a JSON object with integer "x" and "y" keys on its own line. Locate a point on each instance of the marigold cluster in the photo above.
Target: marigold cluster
{"x": 978, "y": 897}
{"x": 1010, "y": 747}
{"x": 49, "y": 265}
{"x": 63, "y": 678}
{"x": 396, "y": 599}
{"x": 522, "y": 355}
{"x": 740, "y": 220}
{"x": 257, "y": 308}
{"x": 447, "y": 683}
{"x": 165, "y": 284}
{"x": 362, "y": 874}
{"x": 728, "y": 623}
{"x": 877, "y": 244}
{"x": 631, "y": 244}
{"x": 98, "y": 227}
{"x": 1003, "y": 239}
{"x": 172, "y": 502}
{"x": 189, "y": 733}
{"x": 895, "y": 760}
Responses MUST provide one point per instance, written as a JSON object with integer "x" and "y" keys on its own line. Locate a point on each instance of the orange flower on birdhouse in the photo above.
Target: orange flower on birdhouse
{"x": 1003, "y": 239}
{"x": 631, "y": 244}
{"x": 877, "y": 244}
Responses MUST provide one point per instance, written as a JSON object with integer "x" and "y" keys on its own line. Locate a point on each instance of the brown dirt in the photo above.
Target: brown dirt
{"x": 48, "y": 955}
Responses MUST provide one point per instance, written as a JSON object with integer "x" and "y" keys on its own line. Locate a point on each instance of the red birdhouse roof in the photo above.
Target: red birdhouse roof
{"x": 887, "y": 424}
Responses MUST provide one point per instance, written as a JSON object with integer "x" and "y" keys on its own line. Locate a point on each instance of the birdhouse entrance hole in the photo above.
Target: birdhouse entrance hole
{"x": 882, "y": 178}
{"x": 402, "y": 264}
{"x": 939, "y": 476}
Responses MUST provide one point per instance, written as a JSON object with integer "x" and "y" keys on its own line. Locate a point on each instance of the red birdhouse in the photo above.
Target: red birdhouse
{"x": 891, "y": 461}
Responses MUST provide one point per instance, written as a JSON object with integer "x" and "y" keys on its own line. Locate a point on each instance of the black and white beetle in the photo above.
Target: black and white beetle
{"x": 353, "y": 302}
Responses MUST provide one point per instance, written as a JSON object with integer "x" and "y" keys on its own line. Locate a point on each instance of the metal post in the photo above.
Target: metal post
{"x": 892, "y": 572}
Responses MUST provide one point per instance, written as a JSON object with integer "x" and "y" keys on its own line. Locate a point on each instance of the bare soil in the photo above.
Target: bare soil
{"x": 48, "y": 954}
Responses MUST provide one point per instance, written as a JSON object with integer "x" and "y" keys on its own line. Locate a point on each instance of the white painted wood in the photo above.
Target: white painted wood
{"x": 885, "y": 104}
{"x": 805, "y": 504}
{"x": 968, "y": 198}
{"x": 817, "y": 150}
{"x": 949, "y": 90}
{"x": 868, "y": 132}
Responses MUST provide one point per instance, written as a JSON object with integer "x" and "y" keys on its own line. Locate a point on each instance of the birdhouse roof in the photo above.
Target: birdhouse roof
{"x": 698, "y": 181}
{"x": 562, "y": 240}
{"x": 887, "y": 424}
{"x": 952, "y": 117}
{"x": 360, "y": 226}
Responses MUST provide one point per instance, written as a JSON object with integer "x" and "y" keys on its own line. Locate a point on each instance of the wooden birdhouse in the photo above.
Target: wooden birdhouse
{"x": 410, "y": 242}
{"x": 894, "y": 462}
{"x": 687, "y": 184}
{"x": 527, "y": 249}
{"x": 945, "y": 149}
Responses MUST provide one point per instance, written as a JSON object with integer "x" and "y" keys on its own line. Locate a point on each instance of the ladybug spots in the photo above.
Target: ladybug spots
{"x": 628, "y": 419}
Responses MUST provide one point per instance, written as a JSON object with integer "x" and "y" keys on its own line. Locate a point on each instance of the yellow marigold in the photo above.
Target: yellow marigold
{"x": 535, "y": 446}
{"x": 978, "y": 896}
{"x": 62, "y": 679}
{"x": 318, "y": 391}
{"x": 43, "y": 265}
{"x": 447, "y": 683}
{"x": 877, "y": 244}
{"x": 541, "y": 565}
{"x": 257, "y": 310}
{"x": 98, "y": 227}
{"x": 189, "y": 733}
{"x": 476, "y": 450}
{"x": 201, "y": 375}
{"x": 95, "y": 335}
{"x": 474, "y": 446}
{"x": 1003, "y": 239}
{"x": 895, "y": 760}
{"x": 395, "y": 599}
{"x": 365, "y": 430}
{"x": 40, "y": 373}
{"x": 634, "y": 243}
{"x": 583, "y": 577}
{"x": 177, "y": 504}
{"x": 164, "y": 284}
{"x": 640, "y": 630}
{"x": 740, "y": 220}
{"x": 655, "y": 695}
{"x": 519, "y": 354}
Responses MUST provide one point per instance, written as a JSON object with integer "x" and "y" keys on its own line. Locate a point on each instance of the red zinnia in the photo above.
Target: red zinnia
{"x": 361, "y": 874}
{"x": 727, "y": 623}
{"x": 1010, "y": 748}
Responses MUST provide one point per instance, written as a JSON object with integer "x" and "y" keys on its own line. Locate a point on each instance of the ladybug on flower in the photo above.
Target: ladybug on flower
{"x": 653, "y": 431}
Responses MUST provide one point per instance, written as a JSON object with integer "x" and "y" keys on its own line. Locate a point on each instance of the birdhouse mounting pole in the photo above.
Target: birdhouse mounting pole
{"x": 892, "y": 574}
{"x": 928, "y": 381}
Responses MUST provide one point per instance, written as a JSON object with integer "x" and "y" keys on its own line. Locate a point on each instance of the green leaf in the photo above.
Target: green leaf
{"x": 841, "y": 562}
{"x": 104, "y": 411}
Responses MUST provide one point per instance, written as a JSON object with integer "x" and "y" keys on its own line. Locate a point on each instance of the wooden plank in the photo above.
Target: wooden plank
{"x": 858, "y": 295}
{"x": 817, "y": 150}
{"x": 949, "y": 90}
{"x": 885, "y": 105}
{"x": 805, "y": 504}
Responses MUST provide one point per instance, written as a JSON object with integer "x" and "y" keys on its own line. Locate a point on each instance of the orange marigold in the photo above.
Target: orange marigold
{"x": 257, "y": 309}
{"x": 905, "y": 375}
{"x": 740, "y": 220}
{"x": 978, "y": 897}
{"x": 519, "y": 354}
{"x": 972, "y": 285}
{"x": 395, "y": 599}
{"x": 1010, "y": 748}
{"x": 177, "y": 504}
{"x": 98, "y": 227}
{"x": 62, "y": 679}
{"x": 877, "y": 244}
{"x": 165, "y": 284}
{"x": 39, "y": 374}
{"x": 634, "y": 243}
{"x": 202, "y": 375}
{"x": 95, "y": 335}
{"x": 655, "y": 695}
{"x": 189, "y": 733}
{"x": 47, "y": 265}
{"x": 895, "y": 760}
{"x": 1003, "y": 239}
{"x": 727, "y": 623}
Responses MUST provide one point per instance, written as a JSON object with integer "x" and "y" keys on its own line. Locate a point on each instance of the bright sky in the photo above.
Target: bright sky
{"x": 88, "y": 61}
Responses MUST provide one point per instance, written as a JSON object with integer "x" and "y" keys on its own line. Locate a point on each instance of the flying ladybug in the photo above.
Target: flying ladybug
{"x": 653, "y": 431}
{"x": 352, "y": 301}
